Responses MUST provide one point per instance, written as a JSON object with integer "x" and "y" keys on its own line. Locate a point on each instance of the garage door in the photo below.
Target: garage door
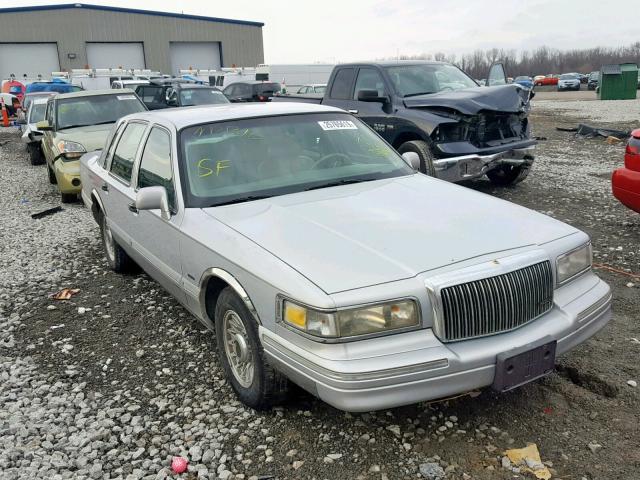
{"x": 30, "y": 58}
{"x": 115, "y": 55}
{"x": 196, "y": 55}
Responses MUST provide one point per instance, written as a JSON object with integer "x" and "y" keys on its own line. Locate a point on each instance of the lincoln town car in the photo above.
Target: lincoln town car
{"x": 318, "y": 255}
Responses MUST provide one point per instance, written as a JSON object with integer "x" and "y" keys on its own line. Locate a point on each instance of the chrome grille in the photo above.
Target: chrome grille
{"x": 496, "y": 304}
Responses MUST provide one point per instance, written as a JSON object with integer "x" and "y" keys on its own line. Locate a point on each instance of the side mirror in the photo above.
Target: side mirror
{"x": 412, "y": 159}
{"x": 371, "y": 96}
{"x": 153, "y": 198}
{"x": 44, "y": 126}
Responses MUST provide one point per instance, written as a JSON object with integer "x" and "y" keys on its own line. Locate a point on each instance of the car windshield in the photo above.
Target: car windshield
{"x": 568, "y": 76}
{"x": 593, "y": 75}
{"x": 36, "y": 113}
{"x": 410, "y": 80}
{"x": 266, "y": 88}
{"x": 243, "y": 160}
{"x": 96, "y": 109}
{"x": 201, "y": 96}
{"x": 522, "y": 78}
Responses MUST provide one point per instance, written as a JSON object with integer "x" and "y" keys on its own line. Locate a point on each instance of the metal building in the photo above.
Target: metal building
{"x": 45, "y": 39}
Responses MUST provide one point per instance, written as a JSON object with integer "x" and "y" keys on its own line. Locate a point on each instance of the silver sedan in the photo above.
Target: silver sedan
{"x": 318, "y": 255}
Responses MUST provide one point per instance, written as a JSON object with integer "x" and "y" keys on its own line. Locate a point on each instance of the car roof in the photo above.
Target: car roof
{"x": 40, "y": 99}
{"x": 188, "y": 116}
{"x": 394, "y": 63}
{"x": 253, "y": 82}
{"x": 92, "y": 93}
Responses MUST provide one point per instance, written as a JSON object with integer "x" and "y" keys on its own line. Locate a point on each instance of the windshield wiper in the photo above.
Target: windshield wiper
{"x": 72, "y": 126}
{"x": 339, "y": 183}
{"x": 87, "y": 125}
{"x": 416, "y": 94}
{"x": 249, "y": 198}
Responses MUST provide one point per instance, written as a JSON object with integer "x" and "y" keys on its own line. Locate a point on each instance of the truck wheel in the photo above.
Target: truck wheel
{"x": 424, "y": 152}
{"x": 68, "y": 197}
{"x": 256, "y": 383}
{"x": 52, "y": 176}
{"x": 505, "y": 175}
{"x": 118, "y": 259}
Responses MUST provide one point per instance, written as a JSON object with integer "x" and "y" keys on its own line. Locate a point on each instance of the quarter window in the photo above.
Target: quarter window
{"x": 155, "y": 165}
{"x": 341, "y": 88}
{"x": 112, "y": 146}
{"x": 125, "y": 154}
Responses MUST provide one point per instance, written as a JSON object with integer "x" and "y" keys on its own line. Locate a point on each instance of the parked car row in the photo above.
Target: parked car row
{"x": 232, "y": 209}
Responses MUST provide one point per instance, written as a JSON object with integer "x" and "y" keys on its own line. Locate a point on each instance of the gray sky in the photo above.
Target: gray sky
{"x": 347, "y": 30}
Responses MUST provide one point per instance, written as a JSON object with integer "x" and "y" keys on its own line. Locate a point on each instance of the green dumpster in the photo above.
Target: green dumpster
{"x": 618, "y": 82}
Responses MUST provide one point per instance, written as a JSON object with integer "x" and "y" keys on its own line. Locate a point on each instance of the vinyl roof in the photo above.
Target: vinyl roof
{"x": 64, "y": 6}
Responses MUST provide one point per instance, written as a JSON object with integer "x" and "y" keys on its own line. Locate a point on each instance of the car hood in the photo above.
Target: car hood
{"x": 504, "y": 98}
{"x": 354, "y": 236}
{"x": 91, "y": 137}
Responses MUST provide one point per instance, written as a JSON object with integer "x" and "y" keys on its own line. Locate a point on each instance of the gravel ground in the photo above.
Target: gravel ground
{"x": 599, "y": 111}
{"x": 117, "y": 380}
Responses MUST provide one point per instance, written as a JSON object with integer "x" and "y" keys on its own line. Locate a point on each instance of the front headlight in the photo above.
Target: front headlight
{"x": 573, "y": 263}
{"x": 71, "y": 149}
{"x": 372, "y": 319}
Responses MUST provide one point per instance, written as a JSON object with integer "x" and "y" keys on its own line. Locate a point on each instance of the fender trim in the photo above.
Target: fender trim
{"x": 233, "y": 283}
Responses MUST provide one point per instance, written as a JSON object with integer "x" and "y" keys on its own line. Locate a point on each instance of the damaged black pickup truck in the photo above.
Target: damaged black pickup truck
{"x": 460, "y": 131}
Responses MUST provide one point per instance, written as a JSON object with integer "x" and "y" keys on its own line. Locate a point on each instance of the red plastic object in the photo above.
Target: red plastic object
{"x": 625, "y": 182}
{"x": 179, "y": 464}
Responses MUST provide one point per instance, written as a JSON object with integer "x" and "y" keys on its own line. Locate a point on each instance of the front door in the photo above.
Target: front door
{"x": 154, "y": 238}
{"x": 374, "y": 113}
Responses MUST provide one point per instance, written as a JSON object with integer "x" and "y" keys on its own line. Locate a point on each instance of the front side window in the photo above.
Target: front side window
{"x": 155, "y": 164}
{"x": 96, "y": 109}
{"x": 125, "y": 152}
{"x": 201, "y": 96}
{"x": 424, "y": 79}
{"x": 234, "y": 161}
{"x": 369, "y": 79}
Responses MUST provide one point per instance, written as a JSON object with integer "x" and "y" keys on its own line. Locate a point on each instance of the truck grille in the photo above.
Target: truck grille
{"x": 496, "y": 304}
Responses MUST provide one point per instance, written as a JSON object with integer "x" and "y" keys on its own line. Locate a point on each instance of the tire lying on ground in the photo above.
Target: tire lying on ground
{"x": 424, "y": 152}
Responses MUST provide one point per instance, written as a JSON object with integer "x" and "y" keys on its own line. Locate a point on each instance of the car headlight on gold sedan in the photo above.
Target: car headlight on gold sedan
{"x": 71, "y": 150}
{"x": 352, "y": 322}
{"x": 573, "y": 263}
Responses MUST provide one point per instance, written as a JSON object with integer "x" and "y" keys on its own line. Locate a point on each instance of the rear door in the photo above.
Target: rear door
{"x": 341, "y": 92}
{"x": 156, "y": 239}
{"x": 120, "y": 193}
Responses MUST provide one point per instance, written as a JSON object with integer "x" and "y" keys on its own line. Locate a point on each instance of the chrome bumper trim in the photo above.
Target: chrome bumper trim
{"x": 467, "y": 167}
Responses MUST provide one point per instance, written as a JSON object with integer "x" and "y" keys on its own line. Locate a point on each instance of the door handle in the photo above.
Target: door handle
{"x": 105, "y": 187}
{"x": 355, "y": 112}
{"x": 133, "y": 208}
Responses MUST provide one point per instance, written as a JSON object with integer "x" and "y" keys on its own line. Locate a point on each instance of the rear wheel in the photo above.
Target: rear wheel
{"x": 118, "y": 259}
{"x": 424, "y": 152}
{"x": 505, "y": 175}
{"x": 256, "y": 383}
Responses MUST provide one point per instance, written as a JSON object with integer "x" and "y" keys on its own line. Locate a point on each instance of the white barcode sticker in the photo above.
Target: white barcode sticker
{"x": 337, "y": 125}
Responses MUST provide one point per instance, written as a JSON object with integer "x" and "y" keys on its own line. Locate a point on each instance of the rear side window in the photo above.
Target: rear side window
{"x": 155, "y": 165}
{"x": 342, "y": 82}
{"x": 125, "y": 153}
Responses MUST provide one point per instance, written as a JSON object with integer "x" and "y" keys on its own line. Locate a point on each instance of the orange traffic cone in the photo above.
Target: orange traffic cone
{"x": 5, "y": 115}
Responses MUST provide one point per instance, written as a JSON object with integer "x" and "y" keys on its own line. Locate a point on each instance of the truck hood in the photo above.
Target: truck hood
{"x": 91, "y": 137}
{"x": 469, "y": 101}
{"x": 354, "y": 236}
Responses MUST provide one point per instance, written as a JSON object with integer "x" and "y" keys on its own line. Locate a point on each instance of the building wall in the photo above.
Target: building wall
{"x": 72, "y": 28}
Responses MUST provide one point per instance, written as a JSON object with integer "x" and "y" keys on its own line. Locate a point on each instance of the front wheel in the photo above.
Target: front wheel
{"x": 118, "y": 259}
{"x": 424, "y": 152}
{"x": 256, "y": 383}
{"x": 506, "y": 175}
{"x": 68, "y": 197}
{"x": 35, "y": 154}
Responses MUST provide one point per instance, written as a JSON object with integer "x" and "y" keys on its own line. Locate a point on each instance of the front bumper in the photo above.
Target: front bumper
{"x": 414, "y": 374}
{"x": 68, "y": 176}
{"x": 469, "y": 167}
